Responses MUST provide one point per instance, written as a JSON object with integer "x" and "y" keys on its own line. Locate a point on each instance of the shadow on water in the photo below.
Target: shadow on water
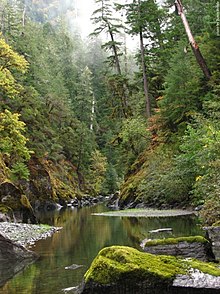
{"x": 81, "y": 238}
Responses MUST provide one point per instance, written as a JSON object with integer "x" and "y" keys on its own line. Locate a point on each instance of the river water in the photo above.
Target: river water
{"x": 81, "y": 238}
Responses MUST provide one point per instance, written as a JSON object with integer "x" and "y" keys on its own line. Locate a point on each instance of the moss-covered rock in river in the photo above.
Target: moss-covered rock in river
{"x": 120, "y": 269}
{"x": 171, "y": 241}
{"x": 189, "y": 247}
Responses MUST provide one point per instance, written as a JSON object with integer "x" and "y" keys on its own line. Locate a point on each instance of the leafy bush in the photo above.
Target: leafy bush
{"x": 13, "y": 144}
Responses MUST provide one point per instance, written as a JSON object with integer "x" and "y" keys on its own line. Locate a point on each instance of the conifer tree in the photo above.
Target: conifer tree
{"x": 107, "y": 23}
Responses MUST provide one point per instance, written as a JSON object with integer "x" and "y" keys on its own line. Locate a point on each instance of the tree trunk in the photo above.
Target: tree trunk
{"x": 194, "y": 45}
{"x": 117, "y": 63}
{"x": 92, "y": 114}
{"x": 23, "y": 16}
{"x": 144, "y": 69}
{"x": 124, "y": 99}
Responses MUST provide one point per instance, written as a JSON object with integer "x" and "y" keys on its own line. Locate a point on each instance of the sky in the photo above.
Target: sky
{"x": 86, "y": 8}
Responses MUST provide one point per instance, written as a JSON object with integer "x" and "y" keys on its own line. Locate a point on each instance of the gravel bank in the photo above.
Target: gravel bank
{"x": 147, "y": 212}
{"x": 26, "y": 234}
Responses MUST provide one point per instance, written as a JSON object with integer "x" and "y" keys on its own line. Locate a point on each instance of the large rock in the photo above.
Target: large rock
{"x": 213, "y": 234}
{"x": 189, "y": 247}
{"x": 10, "y": 195}
{"x": 13, "y": 258}
{"x": 49, "y": 183}
{"x": 125, "y": 270}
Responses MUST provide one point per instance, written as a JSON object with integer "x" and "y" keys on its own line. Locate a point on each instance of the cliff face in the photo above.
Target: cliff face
{"x": 132, "y": 191}
{"x": 51, "y": 181}
{"x": 48, "y": 182}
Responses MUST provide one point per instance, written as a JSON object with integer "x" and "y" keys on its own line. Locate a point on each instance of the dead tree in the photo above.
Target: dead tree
{"x": 194, "y": 45}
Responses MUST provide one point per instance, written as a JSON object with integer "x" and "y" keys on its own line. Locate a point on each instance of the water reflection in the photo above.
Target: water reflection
{"x": 82, "y": 236}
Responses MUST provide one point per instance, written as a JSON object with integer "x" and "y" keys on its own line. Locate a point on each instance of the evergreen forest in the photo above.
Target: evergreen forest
{"x": 88, "y": 117}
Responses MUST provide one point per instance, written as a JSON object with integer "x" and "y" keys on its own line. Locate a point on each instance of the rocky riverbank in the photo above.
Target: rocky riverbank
{"x": 26, "y": 234}
{"x": 15, "y": 238}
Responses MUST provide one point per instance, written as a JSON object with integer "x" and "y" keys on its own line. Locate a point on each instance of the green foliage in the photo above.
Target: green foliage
{"x": 156, "y": 180}
{"x": 12, "y": 139}
{"x": 183, "y": 170}
{"x": 182, "y": 92}
{"x": 19, "y": 170}
{"x": 13, "y": 144}
{"x": 134, "y": 135}
{"x": 210, "y": 211}
{"x": 84, "y": 102}
{"x": 10, "y": 63}
{"x": 200, "y": 155}
{"x": 74, "y": 108}
{"x": 111, "y": 183}
{"x": 97, "y": 171}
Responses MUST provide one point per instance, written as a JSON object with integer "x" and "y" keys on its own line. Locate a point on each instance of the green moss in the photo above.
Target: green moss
{"x": 117, "y": 263}
{"x": 4, "y": 208}
{"x": 4, "y": 170}
{"x": 205, "y": 267}
{"x": 168, "y": 241}
{"x": 45, "y": 227}
{"x": 25, "y": 202}
{"x": 216, "y": 224}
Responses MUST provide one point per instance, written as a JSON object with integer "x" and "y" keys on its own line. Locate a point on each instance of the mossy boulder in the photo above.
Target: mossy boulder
{"x": 189, "y": 247}
{"x": 120, "y": 269}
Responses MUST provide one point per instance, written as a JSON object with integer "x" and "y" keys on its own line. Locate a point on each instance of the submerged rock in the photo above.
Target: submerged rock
{"x": 13, "y": 258}
{"x": 125, "y": 270}
{"x": 189, "y": 247}
{"x": 73, "y": 266}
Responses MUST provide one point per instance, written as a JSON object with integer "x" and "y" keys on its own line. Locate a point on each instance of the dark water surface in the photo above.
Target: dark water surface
{"x": 81, "y": 238}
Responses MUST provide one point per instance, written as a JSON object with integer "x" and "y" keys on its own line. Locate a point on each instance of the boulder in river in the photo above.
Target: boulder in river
{"x": 13, "y": 258}
{"x": 213, "y": 234}
{"x": 189, "y": 247}
{"x": 125, "y": 270}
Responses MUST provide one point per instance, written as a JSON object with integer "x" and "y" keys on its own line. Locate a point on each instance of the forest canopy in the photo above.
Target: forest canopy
{"x": 100, "y": 118}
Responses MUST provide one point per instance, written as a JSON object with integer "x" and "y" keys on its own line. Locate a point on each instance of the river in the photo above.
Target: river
{"x": 81, "y": 238}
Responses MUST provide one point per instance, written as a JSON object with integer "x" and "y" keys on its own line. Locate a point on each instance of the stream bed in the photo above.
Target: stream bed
{"x": 65, "y": 257}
